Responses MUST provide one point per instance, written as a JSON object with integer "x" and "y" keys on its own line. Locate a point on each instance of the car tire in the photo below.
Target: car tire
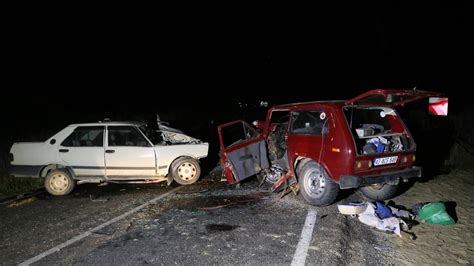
{"x": 316, "y": 186}
{"x": 59, "y": 182}
{"x": 379, "y": 193}
{"x": 185, "y": 170}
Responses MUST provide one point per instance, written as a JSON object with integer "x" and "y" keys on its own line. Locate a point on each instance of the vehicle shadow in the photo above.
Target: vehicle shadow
{"x": 451, "y": 209}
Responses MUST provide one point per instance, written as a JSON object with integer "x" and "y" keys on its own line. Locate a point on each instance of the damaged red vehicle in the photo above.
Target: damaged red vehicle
{"x": 318, "y": 148}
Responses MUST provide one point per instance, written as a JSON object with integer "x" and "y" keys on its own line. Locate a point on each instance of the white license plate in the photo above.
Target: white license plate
{"x": 385, "y": 160}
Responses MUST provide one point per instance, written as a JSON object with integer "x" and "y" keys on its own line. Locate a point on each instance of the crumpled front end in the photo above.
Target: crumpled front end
{"x": 178, "y": 137}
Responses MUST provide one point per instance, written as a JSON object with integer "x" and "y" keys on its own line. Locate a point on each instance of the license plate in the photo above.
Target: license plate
{"x": 385, "y": 160}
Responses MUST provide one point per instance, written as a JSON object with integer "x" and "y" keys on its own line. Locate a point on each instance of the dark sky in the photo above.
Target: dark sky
{"x": 82, "y": 65}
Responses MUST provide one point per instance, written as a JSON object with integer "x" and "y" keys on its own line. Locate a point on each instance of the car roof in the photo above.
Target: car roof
{"x": 107, "y": 123}
{"x": 303, "y": 105}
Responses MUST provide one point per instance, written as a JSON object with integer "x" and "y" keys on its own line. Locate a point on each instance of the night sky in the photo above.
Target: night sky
{"x": 68, "y": 68}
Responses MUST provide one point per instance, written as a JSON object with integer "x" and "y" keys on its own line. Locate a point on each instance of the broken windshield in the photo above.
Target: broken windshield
{"x": 153, "y": 135}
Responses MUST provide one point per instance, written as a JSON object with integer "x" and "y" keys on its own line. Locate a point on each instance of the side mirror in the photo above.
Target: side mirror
{"x": 52, "y": 141}
{"x": 258, "y": 124}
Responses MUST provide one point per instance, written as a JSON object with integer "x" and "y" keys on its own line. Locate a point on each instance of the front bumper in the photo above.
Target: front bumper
{"x": 349, "y": 181}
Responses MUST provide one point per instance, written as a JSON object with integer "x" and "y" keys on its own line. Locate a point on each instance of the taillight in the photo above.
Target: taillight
{"x": 364, "y": 164}
{"x": 414, "y": 158}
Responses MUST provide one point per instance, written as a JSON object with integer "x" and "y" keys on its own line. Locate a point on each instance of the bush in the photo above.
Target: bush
{"x": 10, "y": 186}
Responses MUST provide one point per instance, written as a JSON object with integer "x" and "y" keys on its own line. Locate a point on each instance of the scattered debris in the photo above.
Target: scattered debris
{"x": 191, "y": 192}
{"x": 385, "y": 218}
{"x": 272, "y": 235}
{"x": 21, "y": 202}
{"x": 213, "y": 207}
{"x": 220, "y": 227}
{"x": 433, "y": 213}
{"x": 22, "y": 196}
{"x": 410, "y": 235}
{"x": 259, "y": 197}
{"x": 352, "y": 208}
{"x": 381, "y": 248}
{"x": 102, "y": 232}
{"x": 93, "y": 199}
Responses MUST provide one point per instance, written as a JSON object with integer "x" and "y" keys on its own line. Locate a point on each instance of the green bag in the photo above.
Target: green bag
{"x": 435, "y": 213}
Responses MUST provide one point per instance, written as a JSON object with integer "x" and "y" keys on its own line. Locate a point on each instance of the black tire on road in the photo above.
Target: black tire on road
{"x": 185, "y": 170}
{"x": 316, "y": 186}
{"x": 59, "y": 182}
{"x": 375, "y": 192}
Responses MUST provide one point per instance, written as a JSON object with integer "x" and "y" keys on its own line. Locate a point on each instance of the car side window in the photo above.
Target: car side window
{"x": 237, "y": 133}
{"x": 85, "y": 137}
{"x": 309, "y": 122}
{"x": 126, "y": 136}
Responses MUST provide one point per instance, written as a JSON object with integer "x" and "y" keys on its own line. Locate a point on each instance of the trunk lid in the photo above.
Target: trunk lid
{"x": 382, "y": 97}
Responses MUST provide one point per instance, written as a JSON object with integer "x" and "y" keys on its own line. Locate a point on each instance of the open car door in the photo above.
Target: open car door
{"x": 381, "y": 97}
{"x": 243, "y": 151}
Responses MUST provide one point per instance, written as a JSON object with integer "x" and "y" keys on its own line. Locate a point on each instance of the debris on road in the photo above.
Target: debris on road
{"x": 225, "y": 205}
{"x": 352, "y": 208}
{"x": 433, "y": 213}
{"x": 385, "y": 218}
{"x": 94, "y": 199}
{"x": 220, "y": 227}
{"x": 21, "y": 202}
{"x": 192, "y": 192}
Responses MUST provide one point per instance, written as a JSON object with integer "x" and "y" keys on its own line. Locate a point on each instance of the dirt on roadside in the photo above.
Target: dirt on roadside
{"x": 441, "y": 244}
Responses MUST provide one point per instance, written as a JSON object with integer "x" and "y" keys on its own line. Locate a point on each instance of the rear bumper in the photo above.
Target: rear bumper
{"x": 25, "y": 170}
{"x": 390, "y": 177}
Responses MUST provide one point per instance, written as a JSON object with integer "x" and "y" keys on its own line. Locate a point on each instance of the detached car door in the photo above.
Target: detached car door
{"x": 128, "y": 153}
{"x": 243, "y": 151}
{"x": 83, "y": 150}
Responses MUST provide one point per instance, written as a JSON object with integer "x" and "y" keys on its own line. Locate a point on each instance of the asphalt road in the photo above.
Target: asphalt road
{"x": 205, "y": 223}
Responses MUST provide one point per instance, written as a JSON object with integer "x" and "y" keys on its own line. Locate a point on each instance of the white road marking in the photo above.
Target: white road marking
{"x": 95, "y": 229}
{"x": 306, "y": 235}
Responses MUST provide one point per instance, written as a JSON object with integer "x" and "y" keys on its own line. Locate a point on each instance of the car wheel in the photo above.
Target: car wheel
{"x": 379, "y": 191}
{"x": 185, "y": 170}
{"x": 316, "y": 186}
{"x": 59, "y": 182}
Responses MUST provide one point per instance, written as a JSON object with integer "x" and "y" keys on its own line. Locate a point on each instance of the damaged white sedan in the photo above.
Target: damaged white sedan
{"x": 109, "y": 152}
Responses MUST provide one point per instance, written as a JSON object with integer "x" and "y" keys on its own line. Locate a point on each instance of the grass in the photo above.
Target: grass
{"x": 10, "y": 186}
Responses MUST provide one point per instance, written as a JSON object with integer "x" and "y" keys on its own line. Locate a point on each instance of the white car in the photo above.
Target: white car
{"x": 119, "y": 152}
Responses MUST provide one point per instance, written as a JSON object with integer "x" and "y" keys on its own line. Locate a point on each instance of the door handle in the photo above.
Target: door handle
{"x": 63, "y": 150}
{"x": 109, "y": 151}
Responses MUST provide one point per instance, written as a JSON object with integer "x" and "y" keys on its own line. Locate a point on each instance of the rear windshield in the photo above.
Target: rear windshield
{"x": 373, "y": 118}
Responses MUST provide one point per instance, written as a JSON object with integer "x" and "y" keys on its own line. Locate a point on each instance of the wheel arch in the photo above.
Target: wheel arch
{"x": 170, "y": 166}
{"x": 53, "y": 166}
{"x": 300, "y": 160}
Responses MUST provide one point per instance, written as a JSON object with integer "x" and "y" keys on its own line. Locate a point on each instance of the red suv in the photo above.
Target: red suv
{"x": 319, "y": 148}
